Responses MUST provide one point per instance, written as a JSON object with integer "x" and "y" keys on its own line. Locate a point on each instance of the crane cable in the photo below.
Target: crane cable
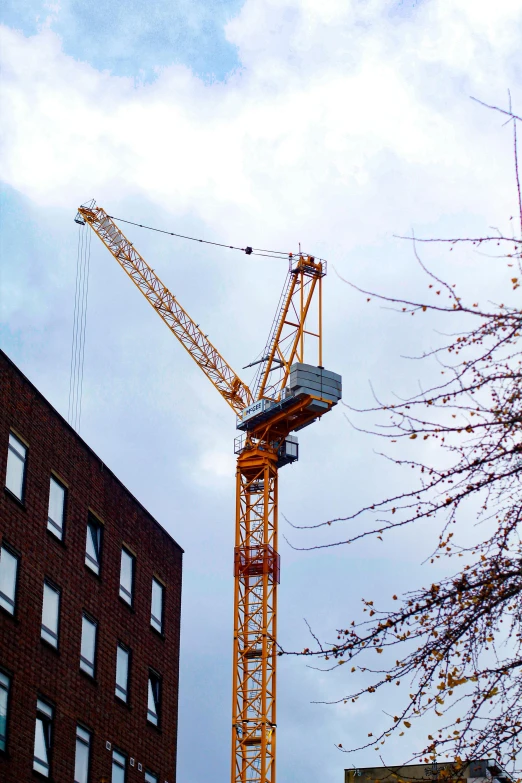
{"x": 254, "y": 251}
{"x": 83, "y": 258}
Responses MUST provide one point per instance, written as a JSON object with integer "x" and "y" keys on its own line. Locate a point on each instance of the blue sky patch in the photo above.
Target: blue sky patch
{"x": 135, "y": 38}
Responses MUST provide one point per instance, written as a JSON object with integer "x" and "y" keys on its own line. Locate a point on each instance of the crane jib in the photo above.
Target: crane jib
{"x": 221, "y": 375}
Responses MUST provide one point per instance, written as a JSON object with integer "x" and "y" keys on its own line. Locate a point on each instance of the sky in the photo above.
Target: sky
{"x": 339, "y": 125}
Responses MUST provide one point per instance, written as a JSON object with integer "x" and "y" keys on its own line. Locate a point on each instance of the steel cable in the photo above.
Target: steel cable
{"x": 79, "y": 329}
{"x": 256, "y": 251}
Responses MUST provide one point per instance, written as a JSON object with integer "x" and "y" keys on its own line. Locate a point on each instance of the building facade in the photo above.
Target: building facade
{"x": 90, "y": 599}
{"x": 482, "y": 771}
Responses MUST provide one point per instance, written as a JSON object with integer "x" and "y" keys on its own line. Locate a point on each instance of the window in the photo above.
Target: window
{"x": 43, "y": 738}
{"x": 50, "y": 614}
{"x": 8, "y": 579}
{"x": 122, "y": 673}
{"x": 56, "y": 512}
{"x": 93, "y": 546}
{"x": 5, "y": 684}
{"x": 127, "y": 576}
{"x": 15, "y": 474}
{"x": 156, "y": 606}
{"x": 119, "y": 762}
{"x": 150, "y": 777}
{"x": 82, "y": 758}
{"x": 88, "y": 648}
{"x": 153, "y": 702}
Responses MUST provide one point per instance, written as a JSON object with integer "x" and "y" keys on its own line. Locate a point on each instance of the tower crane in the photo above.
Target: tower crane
{"x": 287, "y": 395}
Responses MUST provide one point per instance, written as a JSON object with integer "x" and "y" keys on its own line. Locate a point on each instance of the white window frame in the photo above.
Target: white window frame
{"x": 154, "y": 691}
{"x": 94, "y": 565}
{"x": 8, "y": 602}
{"x": 119, "y": 692}
{"x": 51, "y": 635}
{"x": 87, "y": 666}
{"x": 83, "y": 738}
{"x": 44, "y": 716}
{"x": 157, "y": 622}
{"x": 18, "y": 450}
{"x": 56, "y": 527}
{"x": 125, "y": 594}
{"x": 119, "y": 760}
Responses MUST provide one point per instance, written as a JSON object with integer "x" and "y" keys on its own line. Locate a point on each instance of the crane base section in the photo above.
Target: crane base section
{"x": 256, "y": 572}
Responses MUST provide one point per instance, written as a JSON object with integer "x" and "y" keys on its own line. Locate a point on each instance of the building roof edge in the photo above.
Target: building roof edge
{"x": 78, "y": 437}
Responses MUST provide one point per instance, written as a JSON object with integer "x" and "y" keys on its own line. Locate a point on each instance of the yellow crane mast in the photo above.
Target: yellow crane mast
{"x": 288, "y": 395}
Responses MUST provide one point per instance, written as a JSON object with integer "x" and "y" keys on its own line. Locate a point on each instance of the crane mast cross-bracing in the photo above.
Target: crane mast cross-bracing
{"x": 286, "y": 342}
{"x": 289, "y": 395}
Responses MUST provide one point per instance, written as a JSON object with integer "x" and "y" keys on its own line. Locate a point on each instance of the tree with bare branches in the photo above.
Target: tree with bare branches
{"x": 458, "y": 641}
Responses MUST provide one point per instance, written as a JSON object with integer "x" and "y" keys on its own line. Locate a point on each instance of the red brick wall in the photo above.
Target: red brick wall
{"x": 38, "y": 669}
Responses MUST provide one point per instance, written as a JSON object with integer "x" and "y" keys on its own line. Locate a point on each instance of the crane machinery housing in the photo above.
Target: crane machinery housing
{"x": 287, "y": 394}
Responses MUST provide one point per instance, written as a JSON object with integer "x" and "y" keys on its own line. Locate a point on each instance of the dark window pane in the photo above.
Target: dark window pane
{"x": 5, "y": 684}
{"x": 153, "y": 700}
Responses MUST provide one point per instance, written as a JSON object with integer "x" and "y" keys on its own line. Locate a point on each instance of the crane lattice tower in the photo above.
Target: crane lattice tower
{"x": 288, "y": 394}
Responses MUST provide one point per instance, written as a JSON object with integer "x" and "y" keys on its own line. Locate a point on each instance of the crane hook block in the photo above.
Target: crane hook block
{"x": 248, "y": 251}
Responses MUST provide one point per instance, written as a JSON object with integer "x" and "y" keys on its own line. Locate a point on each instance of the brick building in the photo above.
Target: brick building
{"x": 90, "y": 596}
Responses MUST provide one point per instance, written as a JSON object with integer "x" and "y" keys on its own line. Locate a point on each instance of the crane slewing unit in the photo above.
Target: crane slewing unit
{"x": 288, "y": 395}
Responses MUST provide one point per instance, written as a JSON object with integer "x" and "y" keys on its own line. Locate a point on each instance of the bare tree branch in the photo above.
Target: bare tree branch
{"x": 458, "y": 641}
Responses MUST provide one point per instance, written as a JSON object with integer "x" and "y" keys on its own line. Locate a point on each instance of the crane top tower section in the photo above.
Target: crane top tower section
{"x": 287, "y": 393}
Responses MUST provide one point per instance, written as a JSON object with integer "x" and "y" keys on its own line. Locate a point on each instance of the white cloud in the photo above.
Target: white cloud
{"x": 331, "y": 95}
